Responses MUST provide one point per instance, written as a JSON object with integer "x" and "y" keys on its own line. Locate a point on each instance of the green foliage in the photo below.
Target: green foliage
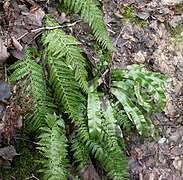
{"x": 52, "y": 146}
{"x": 95, "y": 119}
{"x": 23, "y": 165}
{"x": 130, "y": 14}
{"x": 90, "y": 12}
{"x": 135, "y": 87}
{"x": 35, "y": 87}
{"x": 63, "y": 46}
{"x": 93, "y": 112}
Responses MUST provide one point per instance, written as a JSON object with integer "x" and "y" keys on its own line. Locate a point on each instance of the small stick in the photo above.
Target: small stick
{"x": 48, "y": 28}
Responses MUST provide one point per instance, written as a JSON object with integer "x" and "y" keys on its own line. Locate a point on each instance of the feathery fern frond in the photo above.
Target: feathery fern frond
{"x": 64, "y": 47}
{"x": 68, "y": 93}
{"x": 52, "y": 145}
{"x": 81, "y": 154}
{"x": 90, "y": 12}
{"x": 118, "y": 166}
{"x": 36, "y": 86}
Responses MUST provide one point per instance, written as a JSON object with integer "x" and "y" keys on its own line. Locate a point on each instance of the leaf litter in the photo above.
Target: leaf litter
{"x": 142, "y": 38}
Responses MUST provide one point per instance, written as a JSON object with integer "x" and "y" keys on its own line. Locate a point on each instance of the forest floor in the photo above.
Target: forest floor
{"x": 144, "y": 32}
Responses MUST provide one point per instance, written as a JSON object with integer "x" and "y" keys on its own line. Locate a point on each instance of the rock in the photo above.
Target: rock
{"x": 171, "y": 2}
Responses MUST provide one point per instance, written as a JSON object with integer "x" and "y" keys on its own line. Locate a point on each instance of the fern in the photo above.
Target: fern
{"x": 52, "y": 146}
{"x": 64, "y": 47}
{"x": 93, "y": 111}
{"x": 102, "y": 128}
{"x": 81, "y": 154}
{"x": 133, "y": 87}
{"x": 36, "y": 86}
{"x": 90, "y": 12}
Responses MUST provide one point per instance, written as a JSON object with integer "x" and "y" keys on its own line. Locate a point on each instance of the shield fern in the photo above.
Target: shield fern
{"x": 90, "y": 12}
{"x": 36, "y": 87}
{"x": 52, "y": 146}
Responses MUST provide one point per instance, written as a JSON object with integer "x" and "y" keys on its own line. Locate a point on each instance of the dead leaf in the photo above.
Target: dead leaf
{"x": 139, "y": 57}
{"x": 8, "y": 152}
{"x": 4, "y": 90}
{"x": 177, "y": 163}
{"x": 34, "y": 18}
{"x": 4, "y": 54}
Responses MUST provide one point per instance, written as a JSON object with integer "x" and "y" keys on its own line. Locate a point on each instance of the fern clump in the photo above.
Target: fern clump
{"x": 52, "y": 146}
{"x": 95, "y": 118}
{"x": 135, "y": 87}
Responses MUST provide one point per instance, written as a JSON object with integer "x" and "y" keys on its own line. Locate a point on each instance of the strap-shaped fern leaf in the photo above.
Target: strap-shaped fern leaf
{"x": 36, "y": 86}
{"x": 133, "y": 113}
{"x": 93, "y": 111}
{"x": 64, "y": 47}
{"x": 90, "y": 12}
{"x": 151, "y": 82}
{"x": 52, "y": 145}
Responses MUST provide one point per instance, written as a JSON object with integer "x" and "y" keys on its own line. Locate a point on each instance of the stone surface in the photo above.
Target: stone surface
{"x": 171, "y": 2}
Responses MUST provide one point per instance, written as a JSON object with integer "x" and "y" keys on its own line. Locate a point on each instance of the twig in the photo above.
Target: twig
{"x": 48, "y": 28}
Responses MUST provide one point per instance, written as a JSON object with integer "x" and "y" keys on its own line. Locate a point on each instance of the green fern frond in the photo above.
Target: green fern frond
{"x": 36, "y": 86}
{"x": 133, "y": 87}
{"x": 118, "y": 166}
{"x": 68, "y": 93}
{"x": 81, "y": 154}
{"x": 90, "y": 12}
{"x": 93, "y": 111}
{"x": 149, "y": 82}
{"x": 134, "y": 114}
{"x": 64, "y": 47}
{"x": 52, "y": 145}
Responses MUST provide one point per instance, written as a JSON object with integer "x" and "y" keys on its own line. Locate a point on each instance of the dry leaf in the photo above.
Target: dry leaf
{"x": 4, "y": 54}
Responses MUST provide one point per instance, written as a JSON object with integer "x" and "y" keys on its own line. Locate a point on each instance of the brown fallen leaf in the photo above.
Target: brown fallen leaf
{"x": 8, "y": 152}
{"x": 4, "y": 54}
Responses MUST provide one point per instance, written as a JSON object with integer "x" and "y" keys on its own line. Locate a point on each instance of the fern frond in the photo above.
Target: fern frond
{"x": 36, "y": 86}
{"x": 52, "y": 145}
{"x": 152, "y": 83}
{"x": 133, "y": 113}
{"x": 93, "y": 110}
{"x": 90, "y": 12}
{"x": 81, "y": 154}
{"x": 68, "y": 93}
{"x": 116, "y": 165}
{"x": 64, "y": 47}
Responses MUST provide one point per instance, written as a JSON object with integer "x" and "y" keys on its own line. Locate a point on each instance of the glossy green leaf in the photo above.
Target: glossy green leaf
{"x": 133, "y": 113}
{"x": 93, "y": 111}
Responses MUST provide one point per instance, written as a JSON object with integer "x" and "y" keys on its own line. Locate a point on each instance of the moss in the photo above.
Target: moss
{"x": 23, "y": 165}
{"x": 175, "y": 32}
{"x": 130, "y": 14}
